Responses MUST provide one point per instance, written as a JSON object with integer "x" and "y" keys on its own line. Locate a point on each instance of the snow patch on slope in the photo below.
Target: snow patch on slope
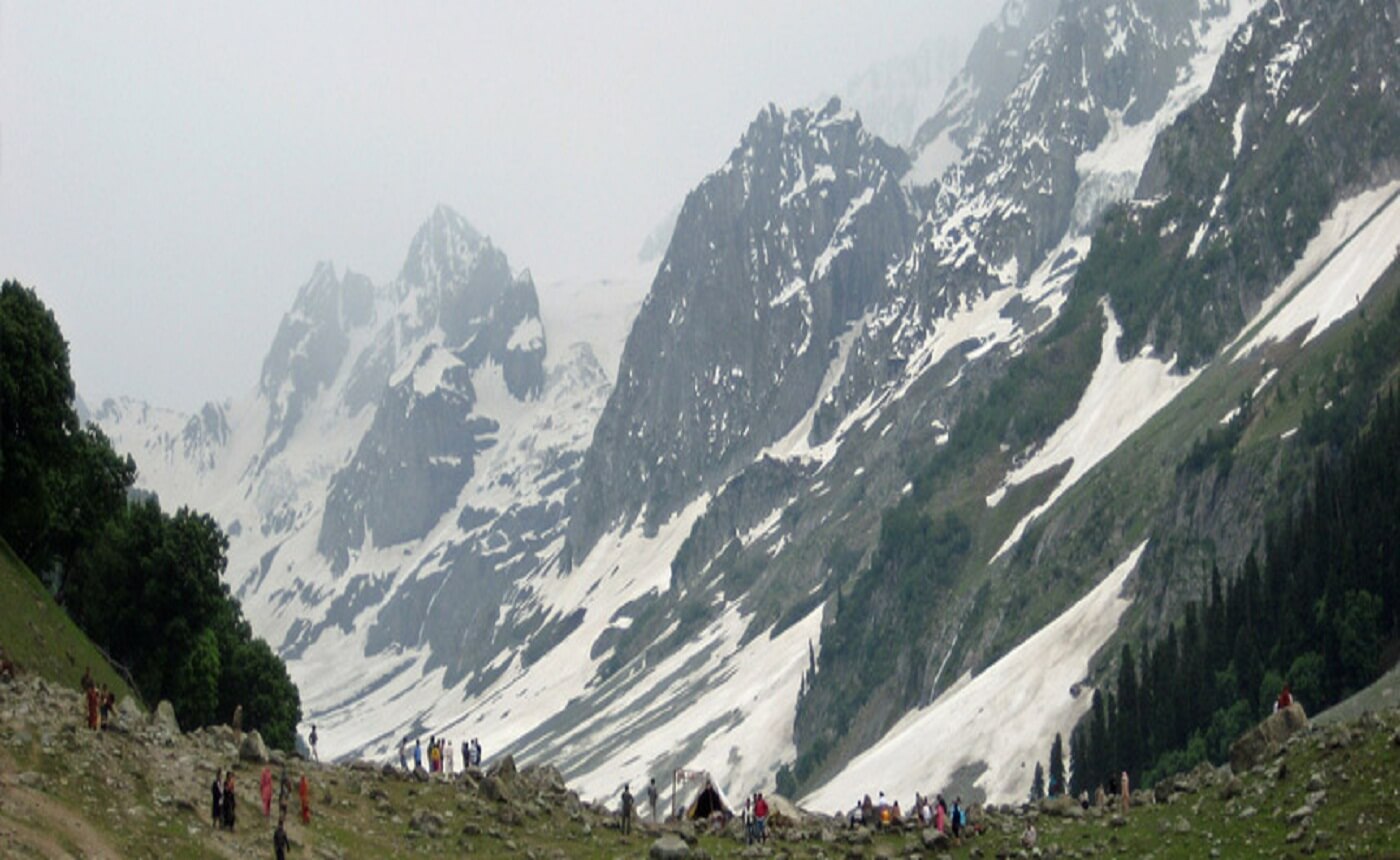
{"x": 1122, "y": 396}
{"x": 1004, "y": 717}
{"x": 1352, "y": 249}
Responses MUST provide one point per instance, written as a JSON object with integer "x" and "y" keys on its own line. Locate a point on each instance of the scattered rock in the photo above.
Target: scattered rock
{"x": 669, "y": 847}
{"x": 163, "y": 718}
{"x": 934, "y": 839}
{"x": 1301, "y": 814}
{"x": 253, "y": 749}
{"x": 1232, "y": 788}
{"x": 1267, "y": 738}
{"x": 426, "y": 822}
{"x": 1316, "y": 782}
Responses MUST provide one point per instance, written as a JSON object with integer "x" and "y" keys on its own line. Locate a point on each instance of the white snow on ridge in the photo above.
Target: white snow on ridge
{"x": 1122, "y": 396}
{"x": 1352, "y": 249}
{"x": 1005, "y": 717}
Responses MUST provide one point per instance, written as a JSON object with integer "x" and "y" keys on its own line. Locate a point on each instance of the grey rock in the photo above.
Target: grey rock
{"x": 669, "y": 847}
{"x": 163, "y": 718}
{"x": 253, "y": 749}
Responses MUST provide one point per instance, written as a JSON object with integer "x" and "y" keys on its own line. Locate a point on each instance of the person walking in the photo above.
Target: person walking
{"x": 417, "y": 755}
{"x": 216, "y": 792}
{"x": 652, "y": 798}
{"x": 305, "y": 791}
{"x": 627, "y": 803}
{"x": 265, "y": 789}
{"x": 314, "y": 738}
{"x": 280, "y": 843}
{"x": 230, "y": 802}
{"x": 403, "y": 754}
{"x": 1124, "y": 794}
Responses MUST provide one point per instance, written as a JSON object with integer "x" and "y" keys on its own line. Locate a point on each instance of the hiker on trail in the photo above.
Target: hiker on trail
{"x": 284, "y": 793}
{"x": 314, "y": 754}
{"x": 447, "y": 757}
{"x": 476, "y": 752}
{"x": 1123, "y": 794}
{"x": 216, "y": 791}
{"x": 280, "y": 843}
{"x": 856, "y": 817}
{"x": 105, "y": 701}
{"x": 265, "y": 789}
{"x": 627, "y": 803}
{"x": 957, "y": 817}
{"x": 403, "y": 753}
{"x": 940, "y": 816}
{"x": 760, "y": 817}
{"x": 1100, "y": 798}
{"x": 1285, "y": 699}
{"x": 925, "y": 810}
{"x": 237, "y": 723}
{"x": 466, "y": 755}
{"x": 90, "y": 695}
{"x": 417, "y": 755}
{"x": 867, "y": 811}
{"x": 651, "y": 798}
{"x": 230, "y": 802}
{"x": 305, "y": 791}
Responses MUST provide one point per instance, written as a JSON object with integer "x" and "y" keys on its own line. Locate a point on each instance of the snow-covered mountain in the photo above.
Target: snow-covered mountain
{"x": 867, "y": 435}
{"x": 893, "y": 97}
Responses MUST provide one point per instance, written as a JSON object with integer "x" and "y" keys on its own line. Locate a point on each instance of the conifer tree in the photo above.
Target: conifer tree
{"x": 1057, "y": 767}
{"x": 1038, "y": 784}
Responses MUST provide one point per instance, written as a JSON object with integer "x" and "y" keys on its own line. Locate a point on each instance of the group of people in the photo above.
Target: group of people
{"x": 756, "y": 818}
{"x": 224, "y": 802}
{"x": 100, "y": 702}
{"x": 440, "y": 755}
{"x": 882, "y": 813}
{"x": 629, "y": 805}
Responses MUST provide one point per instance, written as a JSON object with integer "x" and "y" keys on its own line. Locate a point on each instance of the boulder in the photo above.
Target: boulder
{"x": 426, "y": 822}
{"x": 495, "y": 789}
{"x": 253, "y": 749}
{"x": 1232, "y": 788}
{"x": 935, "y": 839}
{"x": 503, "y": 769}
{"x": 669, "y": 847}
{"x": 1062, "y": 806}
{"x": 128, "y": 713}
{"x": 163, "y": 718}
{"x": 1267, "y": 738}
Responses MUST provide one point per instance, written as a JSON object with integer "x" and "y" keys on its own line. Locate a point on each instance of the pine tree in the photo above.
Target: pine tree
{"x": 1038, "y": 784}
{"x": 1057, "y": 767}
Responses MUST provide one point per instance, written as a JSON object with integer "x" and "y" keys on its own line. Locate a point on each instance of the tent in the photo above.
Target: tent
{"x": 707, "y": 801}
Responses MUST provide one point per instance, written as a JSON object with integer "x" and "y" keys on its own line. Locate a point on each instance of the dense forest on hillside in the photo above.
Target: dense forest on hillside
{"x": 1321, "y": 612}
{"x": 142, "y": 583}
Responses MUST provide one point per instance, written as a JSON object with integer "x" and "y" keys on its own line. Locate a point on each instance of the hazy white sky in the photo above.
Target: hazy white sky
{"x": 169, "y": 173}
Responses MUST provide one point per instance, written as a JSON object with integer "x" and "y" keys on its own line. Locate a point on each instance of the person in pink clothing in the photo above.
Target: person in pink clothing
{"x": 266, "y": 790}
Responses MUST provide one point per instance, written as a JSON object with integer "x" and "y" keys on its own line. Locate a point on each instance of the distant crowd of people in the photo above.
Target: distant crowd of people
{"x": 440, "y": 758}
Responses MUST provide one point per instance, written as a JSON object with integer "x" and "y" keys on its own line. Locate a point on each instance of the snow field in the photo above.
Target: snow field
{"x": 1122, "y": 396}
{"x": 1353, "y": 248}
{"x": 1005, "y": 717}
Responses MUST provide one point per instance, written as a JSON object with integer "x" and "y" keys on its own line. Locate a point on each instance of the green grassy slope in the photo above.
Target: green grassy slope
{"x": 40, "y": 637}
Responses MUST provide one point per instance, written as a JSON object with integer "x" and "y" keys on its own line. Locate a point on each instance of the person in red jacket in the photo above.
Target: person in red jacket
{"x": 760, "y": 816}
{"x": 1285, "y": 698}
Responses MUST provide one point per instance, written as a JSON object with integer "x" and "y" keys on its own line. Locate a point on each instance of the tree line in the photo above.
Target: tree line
{"x": 1321, "y": 613}
{"x": 144, "y": 584}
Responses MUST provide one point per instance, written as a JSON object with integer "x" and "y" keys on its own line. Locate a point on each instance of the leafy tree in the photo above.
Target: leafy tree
{"x": 37, "y": 422}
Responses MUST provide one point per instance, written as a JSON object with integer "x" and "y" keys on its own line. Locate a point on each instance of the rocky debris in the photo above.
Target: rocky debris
{"x": 1267, "y": 738}
{"x": 934, "y": 840}
{"x": 427, "y": 823}
{"x": 253, "y": 749}
{"x": 669, "y": 847}
{"x": 163, "y": 718}
{"x": 1232, "y": 788}
{"x": 1062, "y": 806}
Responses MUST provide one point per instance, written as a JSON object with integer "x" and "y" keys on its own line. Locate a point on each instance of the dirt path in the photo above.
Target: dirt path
{"x": 33, "y": 823}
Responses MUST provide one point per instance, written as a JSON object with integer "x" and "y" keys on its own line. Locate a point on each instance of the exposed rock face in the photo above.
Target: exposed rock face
{"x": 772, "y": 257}
{"x": 1263, "y": 741}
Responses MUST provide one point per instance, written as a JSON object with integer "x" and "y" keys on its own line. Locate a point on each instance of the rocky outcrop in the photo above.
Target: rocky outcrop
{"x": 1265, "y": 740}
